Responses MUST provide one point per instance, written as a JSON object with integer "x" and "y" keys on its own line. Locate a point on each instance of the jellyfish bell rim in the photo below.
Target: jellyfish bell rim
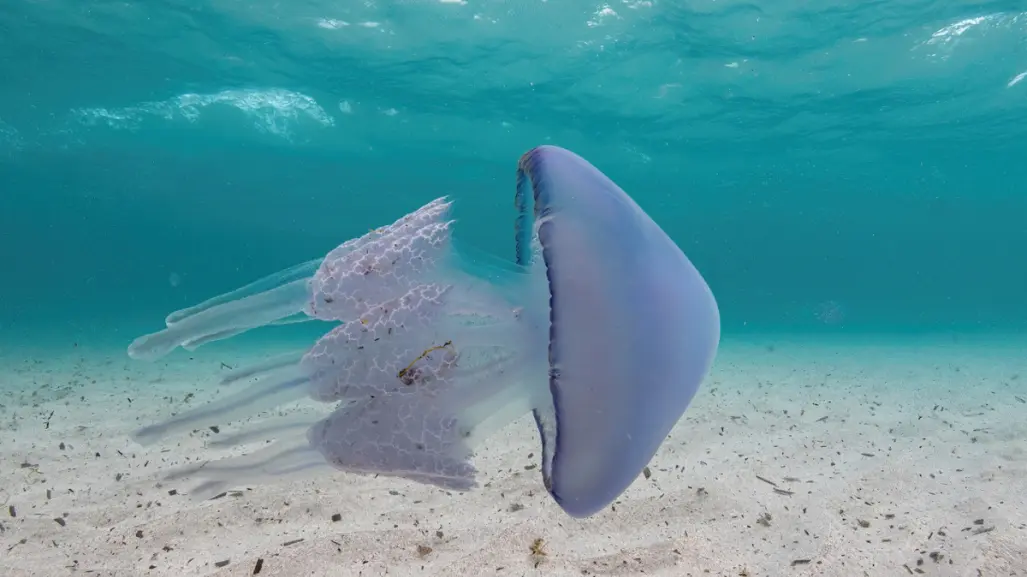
{"x": 613, "y": 403}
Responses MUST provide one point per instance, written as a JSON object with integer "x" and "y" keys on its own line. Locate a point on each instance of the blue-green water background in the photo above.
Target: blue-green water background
{"x": 832, "y": 165}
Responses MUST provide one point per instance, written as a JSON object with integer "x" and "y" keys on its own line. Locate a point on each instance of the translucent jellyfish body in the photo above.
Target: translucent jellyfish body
{"x": 601, "y": 328}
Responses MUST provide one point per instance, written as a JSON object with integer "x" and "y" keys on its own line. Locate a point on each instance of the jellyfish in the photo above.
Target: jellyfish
{"x": 600, "y": 327}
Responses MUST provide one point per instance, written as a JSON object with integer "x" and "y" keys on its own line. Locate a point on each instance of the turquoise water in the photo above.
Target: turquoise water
{"x": 827, "y": 166}
{"x": 847, "y": 176}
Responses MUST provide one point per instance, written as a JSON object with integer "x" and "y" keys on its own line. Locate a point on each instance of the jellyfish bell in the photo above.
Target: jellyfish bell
{"x": 634, "y": 328}
{"x": 601, "y": 328}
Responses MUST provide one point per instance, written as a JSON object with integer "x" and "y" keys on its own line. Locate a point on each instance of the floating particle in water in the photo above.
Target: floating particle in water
{"x": 174, "y": 279}
{"x": 830, "y": 313}
{"x": 345, "y": 107}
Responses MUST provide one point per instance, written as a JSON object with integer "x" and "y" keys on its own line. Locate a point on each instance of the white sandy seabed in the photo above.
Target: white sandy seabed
{"x": 798, "y": 457}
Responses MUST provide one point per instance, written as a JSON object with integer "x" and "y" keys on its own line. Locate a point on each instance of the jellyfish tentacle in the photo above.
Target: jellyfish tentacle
{"x": 353, "y": 277}
{"x": 295, "y": 272}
